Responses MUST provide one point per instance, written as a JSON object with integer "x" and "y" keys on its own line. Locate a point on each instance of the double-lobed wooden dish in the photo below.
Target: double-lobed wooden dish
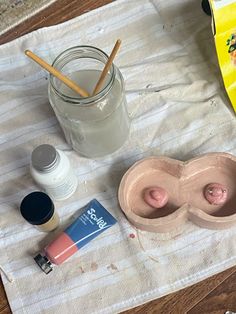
{"x": 184, "y": 183}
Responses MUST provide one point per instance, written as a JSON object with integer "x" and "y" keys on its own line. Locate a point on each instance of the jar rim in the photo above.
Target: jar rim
{"x": 86, "y": 101}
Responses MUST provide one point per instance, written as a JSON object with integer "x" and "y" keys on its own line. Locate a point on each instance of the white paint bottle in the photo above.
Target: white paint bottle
{"x": 51, "y": 170}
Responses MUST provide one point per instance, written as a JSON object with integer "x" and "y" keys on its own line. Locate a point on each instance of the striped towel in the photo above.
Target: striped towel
{"x": 178, "y": 108}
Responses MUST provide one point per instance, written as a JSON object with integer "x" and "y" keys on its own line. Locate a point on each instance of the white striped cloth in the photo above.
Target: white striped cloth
{"x": 178, "y": 108}
{"x": 16, "y": 11}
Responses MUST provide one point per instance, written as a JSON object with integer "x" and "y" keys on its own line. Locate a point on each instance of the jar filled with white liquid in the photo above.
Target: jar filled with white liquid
{"x": 96, "y": 125}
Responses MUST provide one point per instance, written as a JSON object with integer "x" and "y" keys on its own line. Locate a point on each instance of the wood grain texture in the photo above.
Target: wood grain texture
{"x": 4, "y": 307}
{"x": 58, "y": 12}
{"x": 184, "y": 300}
{"x": 214, "y": 295}
{"x": 220, "y": 300}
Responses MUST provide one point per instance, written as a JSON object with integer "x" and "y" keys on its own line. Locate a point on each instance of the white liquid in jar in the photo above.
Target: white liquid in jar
{"x": 93, "y": 129}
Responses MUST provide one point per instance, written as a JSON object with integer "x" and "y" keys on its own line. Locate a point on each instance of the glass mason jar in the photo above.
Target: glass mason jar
{"x": 96, "y": 125}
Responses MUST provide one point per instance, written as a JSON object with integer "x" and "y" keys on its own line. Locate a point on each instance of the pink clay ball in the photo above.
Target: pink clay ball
{"x": 215, "y": 193}
{"x": 156, "y": 197}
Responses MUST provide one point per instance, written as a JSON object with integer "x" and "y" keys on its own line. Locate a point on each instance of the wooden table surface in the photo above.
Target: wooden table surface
{"x": 214, "y": 295}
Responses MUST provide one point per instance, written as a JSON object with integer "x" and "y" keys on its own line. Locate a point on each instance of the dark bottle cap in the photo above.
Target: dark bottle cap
{"x": 44, "y": 263}
{"x": 37, "y": 208}
{"x": 44, "y": 157}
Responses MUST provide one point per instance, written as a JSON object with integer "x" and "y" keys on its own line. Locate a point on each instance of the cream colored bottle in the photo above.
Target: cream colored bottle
{"x": 38, "y": 209}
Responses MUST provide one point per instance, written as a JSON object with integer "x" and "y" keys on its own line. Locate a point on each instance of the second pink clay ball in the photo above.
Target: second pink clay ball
{"x": 215, "y": 193}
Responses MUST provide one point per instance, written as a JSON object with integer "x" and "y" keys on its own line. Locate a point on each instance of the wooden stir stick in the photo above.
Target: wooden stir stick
{"x": 107, "y": 67}
{"x": 68, "y": 82}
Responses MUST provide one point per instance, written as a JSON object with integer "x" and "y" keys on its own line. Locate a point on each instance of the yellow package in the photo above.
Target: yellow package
{"x": 224, "y": 28}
